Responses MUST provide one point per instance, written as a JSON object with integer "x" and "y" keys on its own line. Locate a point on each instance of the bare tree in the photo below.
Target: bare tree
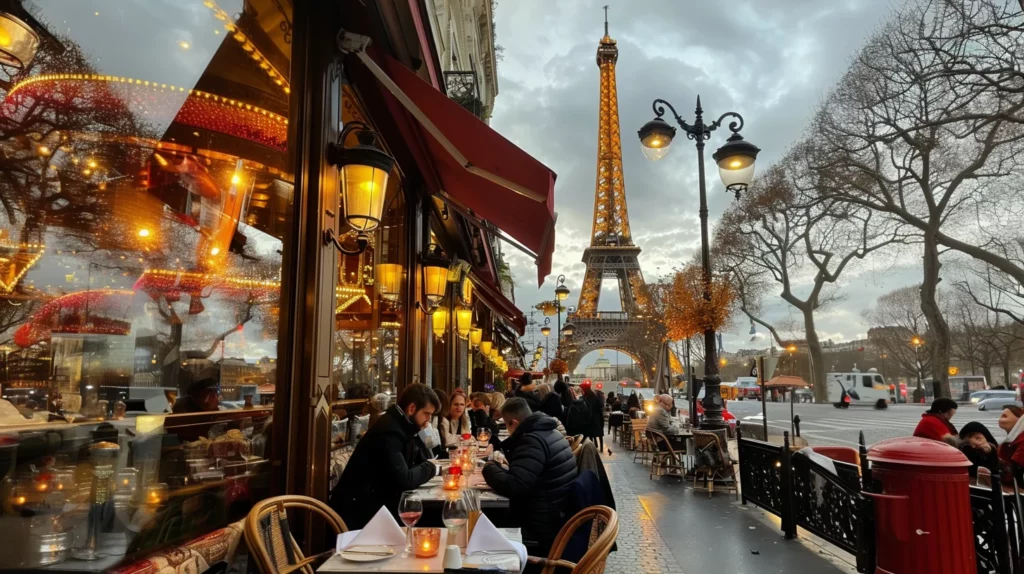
{"x": 924, "y": 127}
{"x": 896, "y": 319}
{"x": 774, "y": 233}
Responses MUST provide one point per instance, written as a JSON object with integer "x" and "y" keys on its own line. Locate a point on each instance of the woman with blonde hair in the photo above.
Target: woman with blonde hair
{"x": 455, "y": 420}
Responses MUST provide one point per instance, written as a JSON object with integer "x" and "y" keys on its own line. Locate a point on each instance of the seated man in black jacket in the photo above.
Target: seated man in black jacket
{"x": 379, "y": 470}
{"x": 541, "y": 469}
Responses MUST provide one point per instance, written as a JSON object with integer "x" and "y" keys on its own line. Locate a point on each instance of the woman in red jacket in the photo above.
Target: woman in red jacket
{"x": 1011, "y": 455}
{"x": 935, "y": 421}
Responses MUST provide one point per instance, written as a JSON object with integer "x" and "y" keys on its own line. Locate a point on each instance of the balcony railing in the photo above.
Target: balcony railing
{"x": 462, "y": 87}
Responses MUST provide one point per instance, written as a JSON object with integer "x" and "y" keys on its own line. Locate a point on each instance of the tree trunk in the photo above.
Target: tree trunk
{"x": 817, "y": 366}
{"x": 1006, "y": 370}
{"x": 987, "y": 370}
{"x": 938, "y": 328}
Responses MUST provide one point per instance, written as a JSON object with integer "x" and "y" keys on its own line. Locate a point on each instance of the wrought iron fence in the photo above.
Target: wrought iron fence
{"x": 761, "y": 474}
{"x": 832, "y": 507}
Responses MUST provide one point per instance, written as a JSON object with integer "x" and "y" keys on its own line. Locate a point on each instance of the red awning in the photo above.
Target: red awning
{"x": 497, "y": 302}
{"x": 476, "y": 166}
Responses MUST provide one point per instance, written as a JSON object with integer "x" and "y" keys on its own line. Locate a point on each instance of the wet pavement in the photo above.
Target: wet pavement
{"x": 668, "y": 527}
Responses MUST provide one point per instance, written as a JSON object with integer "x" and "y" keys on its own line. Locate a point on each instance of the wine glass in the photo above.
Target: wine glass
{"x": 410, "y": 508}
{"x": 455, "y": 515}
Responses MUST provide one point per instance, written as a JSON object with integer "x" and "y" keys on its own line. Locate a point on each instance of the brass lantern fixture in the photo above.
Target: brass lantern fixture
{"x": 546, "y": 329}
{"x": 485, "y": 348}
{"x": 463, "y": 320}
{"x": 18, "y": 41}
{"x": 439, "y": 321}
{"x": 435, "y": 275}
{"x": 363, "y": 171}
{"x": 476, "y": 335}
{"x": 389, "y": 280}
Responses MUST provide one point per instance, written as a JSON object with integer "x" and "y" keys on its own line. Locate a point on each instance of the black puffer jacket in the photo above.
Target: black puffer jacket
{"x": 387, "y": 461}
{"x": 551, "y": 405}
{"x": 596, "y": 413}
{"x": 541, "y": 469}
{"x": 530, "y": 397}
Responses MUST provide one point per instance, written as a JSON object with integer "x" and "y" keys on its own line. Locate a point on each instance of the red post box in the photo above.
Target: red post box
{"x": 923, "y": 514}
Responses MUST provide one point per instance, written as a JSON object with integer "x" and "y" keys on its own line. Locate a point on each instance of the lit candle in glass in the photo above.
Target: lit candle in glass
{"x": 451, "y": 477}
{"x": 426, "y": 542}
{"x": 156, "y": 494}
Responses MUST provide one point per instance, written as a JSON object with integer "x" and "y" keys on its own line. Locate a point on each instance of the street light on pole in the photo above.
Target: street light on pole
{"x": 561, "y": 294}
{"x": 735, "y": 162}
{"x": 917, "y": 342}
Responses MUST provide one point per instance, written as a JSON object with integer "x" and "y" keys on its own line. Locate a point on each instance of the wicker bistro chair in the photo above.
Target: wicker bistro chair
{"x": 604, "y": 528}
{"x": 641, "y": 448}
{"x": 713, "y": 463}
{"x": 664, "y": 459}
{"x": 270, "y": 540}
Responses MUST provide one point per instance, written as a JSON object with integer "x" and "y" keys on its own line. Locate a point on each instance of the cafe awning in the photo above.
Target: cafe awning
{"x": 475, "y": 165}
{"x": 786, "y": 381}
{"x": 493, "y": 298}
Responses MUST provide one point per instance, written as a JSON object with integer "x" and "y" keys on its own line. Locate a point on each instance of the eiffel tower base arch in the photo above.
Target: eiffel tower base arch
{"x": 614, "y": 332}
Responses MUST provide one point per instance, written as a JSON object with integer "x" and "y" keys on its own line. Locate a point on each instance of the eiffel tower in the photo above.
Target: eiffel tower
{"x": 611, "y": 252}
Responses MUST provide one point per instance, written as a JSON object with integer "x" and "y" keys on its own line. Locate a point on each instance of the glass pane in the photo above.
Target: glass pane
{"x": 146, "y": 191}
{"x": 371, "y": 288}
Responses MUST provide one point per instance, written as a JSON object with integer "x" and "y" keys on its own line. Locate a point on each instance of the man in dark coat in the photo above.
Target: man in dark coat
{"x": 480, "y": 416}
{"x": 541, "y": 470}
{"x": 527, "y": 391}
{"x": 387, "y": 460}
{"x": 596, "y": 414}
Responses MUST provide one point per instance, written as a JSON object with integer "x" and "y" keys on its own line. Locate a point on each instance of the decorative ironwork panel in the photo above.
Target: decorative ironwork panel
{"x": 829, "y": 506}
{"x": 462, "y": 88}
{"x": 761, "y": 474}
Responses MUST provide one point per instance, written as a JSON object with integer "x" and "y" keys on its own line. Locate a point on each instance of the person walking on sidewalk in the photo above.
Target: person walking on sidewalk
{"x": 596, "y": 408}
{"x": 935, "y": 423}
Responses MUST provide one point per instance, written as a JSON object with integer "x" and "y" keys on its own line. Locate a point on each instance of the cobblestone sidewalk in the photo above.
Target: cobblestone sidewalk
{"x": 640, "y": 546}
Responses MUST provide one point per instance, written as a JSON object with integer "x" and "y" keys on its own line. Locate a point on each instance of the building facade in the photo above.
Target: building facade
{"x": 189, "y": 218}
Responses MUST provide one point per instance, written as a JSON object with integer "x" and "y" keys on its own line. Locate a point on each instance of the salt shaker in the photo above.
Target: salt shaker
{"x": 453, "y": 557}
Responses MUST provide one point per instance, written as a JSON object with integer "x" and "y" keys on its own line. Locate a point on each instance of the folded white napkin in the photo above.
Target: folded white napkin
{"x": 487, "y": 537}
{"x": 381, "y": 530}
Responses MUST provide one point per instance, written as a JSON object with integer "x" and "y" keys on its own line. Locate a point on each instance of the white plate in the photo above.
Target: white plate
{"x": 353, "y": 557}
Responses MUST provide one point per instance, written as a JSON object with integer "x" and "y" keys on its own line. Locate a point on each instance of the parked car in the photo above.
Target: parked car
{"x": 979, "y": 396}
{"x": 997, "y": 403}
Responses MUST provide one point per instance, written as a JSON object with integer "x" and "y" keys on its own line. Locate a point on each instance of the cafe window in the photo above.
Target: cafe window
{"x": 146, "y": 195}
{"x": 371, "y": 291}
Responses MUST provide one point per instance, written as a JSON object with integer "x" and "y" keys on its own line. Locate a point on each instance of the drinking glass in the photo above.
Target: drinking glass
{"x": 410, "y": 509}
{"x": 455, "y": 514}
{"x": 483, "y": 434}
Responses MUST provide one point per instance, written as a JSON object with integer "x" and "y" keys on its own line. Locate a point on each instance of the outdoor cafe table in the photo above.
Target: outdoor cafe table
{"x": 434, "y": 492}
{"x": 399, "y": 563}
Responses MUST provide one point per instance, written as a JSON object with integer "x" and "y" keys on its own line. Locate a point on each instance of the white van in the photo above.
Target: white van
{"x": 860, "y": 388}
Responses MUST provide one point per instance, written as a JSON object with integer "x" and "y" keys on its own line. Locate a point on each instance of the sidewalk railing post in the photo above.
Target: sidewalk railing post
{"x": 786, "y": 475}
{"x": 865, "y": 467}
{"x": 739, "y": 462}
{"x": 1000, "y": 542}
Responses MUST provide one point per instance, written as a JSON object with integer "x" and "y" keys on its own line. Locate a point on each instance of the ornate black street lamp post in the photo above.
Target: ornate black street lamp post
{"x": 561, "y": 294}
{"x": 735, "y": 162}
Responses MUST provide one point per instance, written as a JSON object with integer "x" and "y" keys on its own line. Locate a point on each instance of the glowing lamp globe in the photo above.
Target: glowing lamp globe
{"x": 18, "y": 42}
{"x": 463, "y": 320}
{"x": 735, "y": 162}
{"x": 439, "y": 321}
{"x": 364, "y": 172}
{"x": 476, "y": 335}
{"x": 655, "y": 138}
{"x": 485, "y": 347}
{"x": 389, "y": 280}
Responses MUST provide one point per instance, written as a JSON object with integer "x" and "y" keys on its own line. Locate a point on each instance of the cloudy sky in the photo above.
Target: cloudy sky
{"x": 772, "y": 62}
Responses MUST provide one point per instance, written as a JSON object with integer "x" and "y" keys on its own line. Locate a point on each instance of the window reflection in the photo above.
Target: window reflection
{"x": 145, "y": 191}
